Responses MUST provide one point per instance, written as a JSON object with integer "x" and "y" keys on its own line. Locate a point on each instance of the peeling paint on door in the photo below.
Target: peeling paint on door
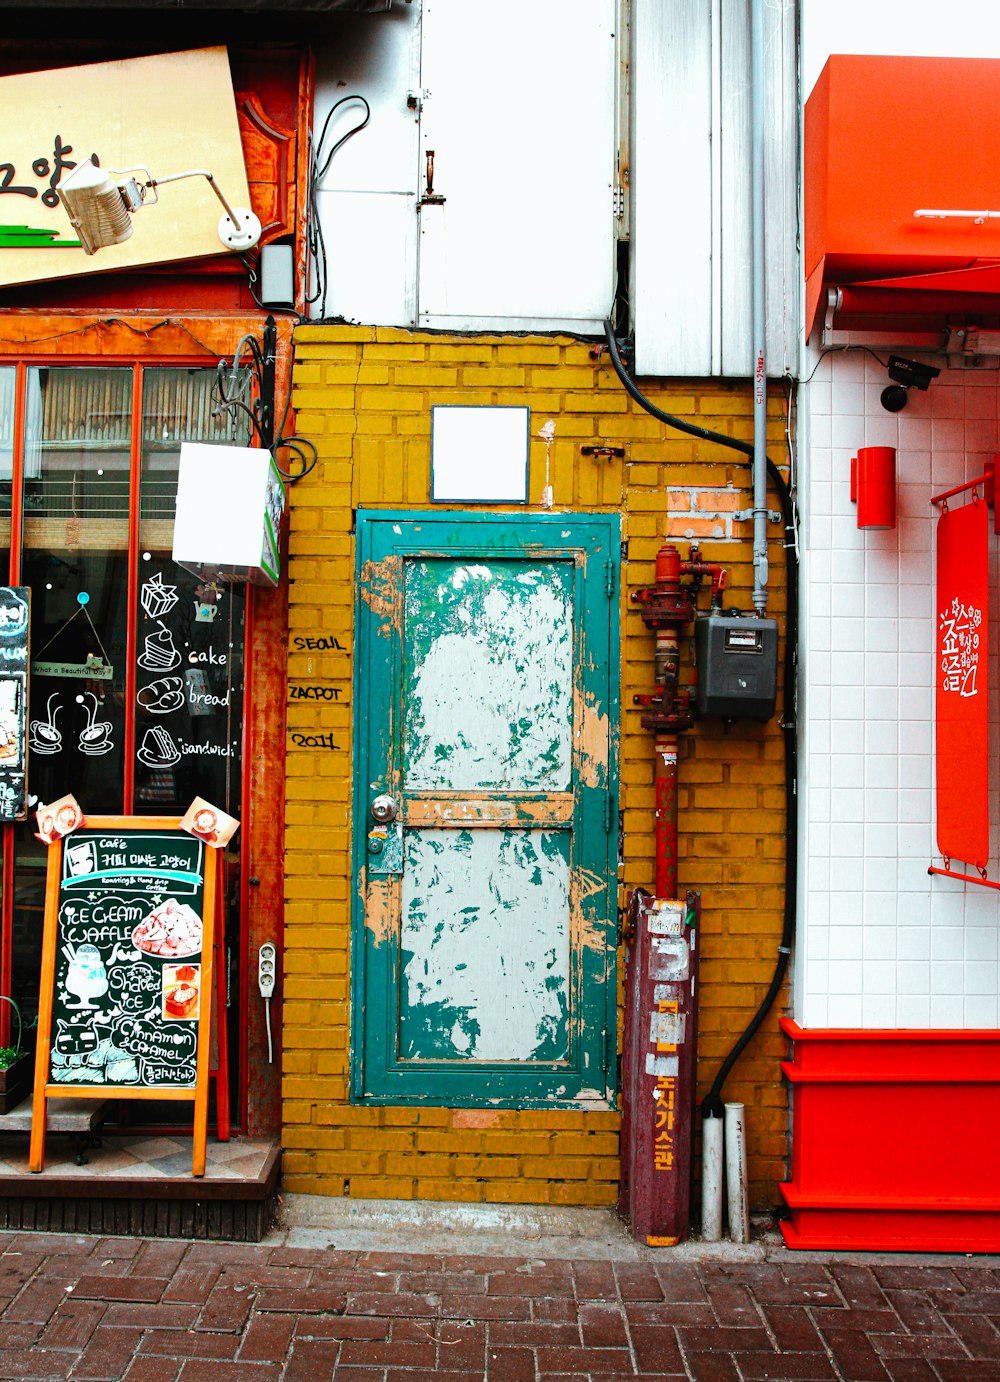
{"x": 587, "y": 918}
{"x": 554, "y": 809}
{"x": 592, "y": 740}
{"x": 488, "y": 666}
{"x": 380, "y": 592}
{"x": 485, "y": 945}
{"x": 382, "y": 909}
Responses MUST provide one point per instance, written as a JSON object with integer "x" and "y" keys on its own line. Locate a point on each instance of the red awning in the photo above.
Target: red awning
{"x": 884, "y": 138}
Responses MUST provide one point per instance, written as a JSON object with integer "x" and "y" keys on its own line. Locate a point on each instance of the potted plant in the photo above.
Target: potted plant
{"x": 15, "y": 1067}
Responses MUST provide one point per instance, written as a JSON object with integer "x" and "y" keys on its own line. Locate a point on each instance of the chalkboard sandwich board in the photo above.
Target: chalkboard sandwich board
{"x": 126, "y": 987}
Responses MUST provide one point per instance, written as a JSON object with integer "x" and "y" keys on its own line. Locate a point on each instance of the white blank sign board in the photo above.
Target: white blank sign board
{"x": 479, "y": 455}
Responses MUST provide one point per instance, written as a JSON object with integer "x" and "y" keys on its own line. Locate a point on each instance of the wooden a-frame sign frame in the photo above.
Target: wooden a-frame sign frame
{"x": 44, "y": 1088}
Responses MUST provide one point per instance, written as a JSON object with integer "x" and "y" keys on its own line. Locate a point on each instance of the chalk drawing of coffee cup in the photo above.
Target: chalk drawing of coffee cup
{"x": 158, "y": 653}
{"x": 95, "y": 737}
{"x": 43, "y": 736}
{"x": 82, "y": 858}
{"x": 162, "y": 697}
{"x": 157, "y": 749}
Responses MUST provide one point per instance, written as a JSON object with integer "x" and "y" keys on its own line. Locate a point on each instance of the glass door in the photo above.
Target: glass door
{"x": 189, "y": 658}
{"x": 136, "y": 673}
{"x": 8, "y": 385}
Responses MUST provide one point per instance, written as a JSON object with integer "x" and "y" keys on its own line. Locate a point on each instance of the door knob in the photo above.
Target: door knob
{"x": 383, "y": 809}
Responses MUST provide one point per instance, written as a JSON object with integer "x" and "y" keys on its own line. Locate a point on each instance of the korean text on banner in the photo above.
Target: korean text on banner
{"x": 961, "y": 683}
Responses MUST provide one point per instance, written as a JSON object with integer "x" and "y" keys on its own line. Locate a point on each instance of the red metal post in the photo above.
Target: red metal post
{"x": 659, "y": 1057}
{"x": 666, "y": 815}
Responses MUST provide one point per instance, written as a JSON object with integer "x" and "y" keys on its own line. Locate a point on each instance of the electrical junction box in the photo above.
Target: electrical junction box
{"x": 230, "y": 502}
{"x": 737, "y": 666}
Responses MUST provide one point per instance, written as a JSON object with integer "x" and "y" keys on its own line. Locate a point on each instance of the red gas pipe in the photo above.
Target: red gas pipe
{"x": 660, "y": 990}
{"x": 667, "y": 608}
{"x": 696, "y": 568}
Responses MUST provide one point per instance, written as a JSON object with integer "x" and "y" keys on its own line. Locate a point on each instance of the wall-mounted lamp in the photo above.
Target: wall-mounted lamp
{"x": 873, "y": 486}
{"x": 100, "y": 205}
{"x": 908, "y": 374}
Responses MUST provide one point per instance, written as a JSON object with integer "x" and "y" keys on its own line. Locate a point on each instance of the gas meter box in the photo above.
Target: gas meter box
{"x": 737, "y": 666}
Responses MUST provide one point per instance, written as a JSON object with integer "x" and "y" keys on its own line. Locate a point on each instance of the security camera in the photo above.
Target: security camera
{"x": 912, "y": 373}
{"x": 907, "y": 374}
{"x": 893, "y": 398}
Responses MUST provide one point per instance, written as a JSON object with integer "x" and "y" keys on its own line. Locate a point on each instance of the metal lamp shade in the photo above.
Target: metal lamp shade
{"x": 96, "y": 207}
{"x": 873, "y": 486}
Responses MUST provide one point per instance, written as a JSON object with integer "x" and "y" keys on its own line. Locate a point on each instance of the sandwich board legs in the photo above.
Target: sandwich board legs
{"x": 36, "y": 1148}
{"x": 202, "y": 1080}
{"x": 221, "y": 1072}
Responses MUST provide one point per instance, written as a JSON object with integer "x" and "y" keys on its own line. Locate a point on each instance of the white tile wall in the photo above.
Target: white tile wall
{"x": 880, "y": 942}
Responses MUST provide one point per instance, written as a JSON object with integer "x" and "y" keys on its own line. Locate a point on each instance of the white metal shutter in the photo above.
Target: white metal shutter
{"x": 691, "y": 266}
{"x": 519, "y": 109}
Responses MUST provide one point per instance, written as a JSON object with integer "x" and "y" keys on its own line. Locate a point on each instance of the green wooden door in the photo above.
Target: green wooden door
{"x": 486, "y": 709}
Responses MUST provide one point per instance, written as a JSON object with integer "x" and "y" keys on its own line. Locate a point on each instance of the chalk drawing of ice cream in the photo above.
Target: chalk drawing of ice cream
{"x": 95, "y": 737}
{"x": 86, "y": 975}
{"x": 157, "y": 599}
{"x": 159, "y": 653}
{"x": 43, "y": 736}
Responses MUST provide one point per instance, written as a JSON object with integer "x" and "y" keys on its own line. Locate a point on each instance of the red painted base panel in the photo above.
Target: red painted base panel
{"x": 891, "y": 1142}
{"x": 859, "y": 1231}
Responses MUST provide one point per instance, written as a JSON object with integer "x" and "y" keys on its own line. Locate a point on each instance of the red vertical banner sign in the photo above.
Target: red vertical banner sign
{"x": 961, "y": 684}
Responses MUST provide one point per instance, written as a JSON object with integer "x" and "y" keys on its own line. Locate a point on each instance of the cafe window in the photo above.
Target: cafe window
{"x": 136, "y": 671}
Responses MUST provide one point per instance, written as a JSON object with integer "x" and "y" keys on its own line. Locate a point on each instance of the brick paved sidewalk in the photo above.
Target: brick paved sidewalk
{"x": 159, "y": 1311}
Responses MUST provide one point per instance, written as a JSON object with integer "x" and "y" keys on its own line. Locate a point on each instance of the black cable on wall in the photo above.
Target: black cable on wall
{"x": 712, "y": 1105}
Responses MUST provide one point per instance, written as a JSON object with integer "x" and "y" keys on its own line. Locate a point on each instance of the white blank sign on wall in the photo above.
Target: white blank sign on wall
{"x": 479, "y": 455}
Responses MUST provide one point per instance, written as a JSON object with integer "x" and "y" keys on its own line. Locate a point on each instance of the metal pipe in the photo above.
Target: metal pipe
{"x": 666, "y": 815}
{"x": 856, "y": 300}
{"x": 198, "y": 173}
{"x": 759, "y": 297}
{"x": 966, "y": 877}
{"x": 666, "y": 609}
{"x": 736, "y": 1173}
{"x": 961, "y": 489}
{"x": 711, "y": 1179}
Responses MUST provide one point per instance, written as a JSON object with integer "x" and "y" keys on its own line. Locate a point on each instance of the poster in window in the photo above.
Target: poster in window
{"x": 14, "y": 619}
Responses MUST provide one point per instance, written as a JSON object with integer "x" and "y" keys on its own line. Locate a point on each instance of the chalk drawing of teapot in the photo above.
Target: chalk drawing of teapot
{"x": 43, "y": 736}
{"x": 95, "y": 738}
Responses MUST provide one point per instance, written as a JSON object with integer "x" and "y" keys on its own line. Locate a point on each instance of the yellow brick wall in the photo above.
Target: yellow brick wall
{"x": 363, "y": 395}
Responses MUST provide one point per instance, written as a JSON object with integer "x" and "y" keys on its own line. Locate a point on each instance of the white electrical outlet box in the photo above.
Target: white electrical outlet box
{"x": 230, "y": 502}
{"x": 267, "y": 961}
